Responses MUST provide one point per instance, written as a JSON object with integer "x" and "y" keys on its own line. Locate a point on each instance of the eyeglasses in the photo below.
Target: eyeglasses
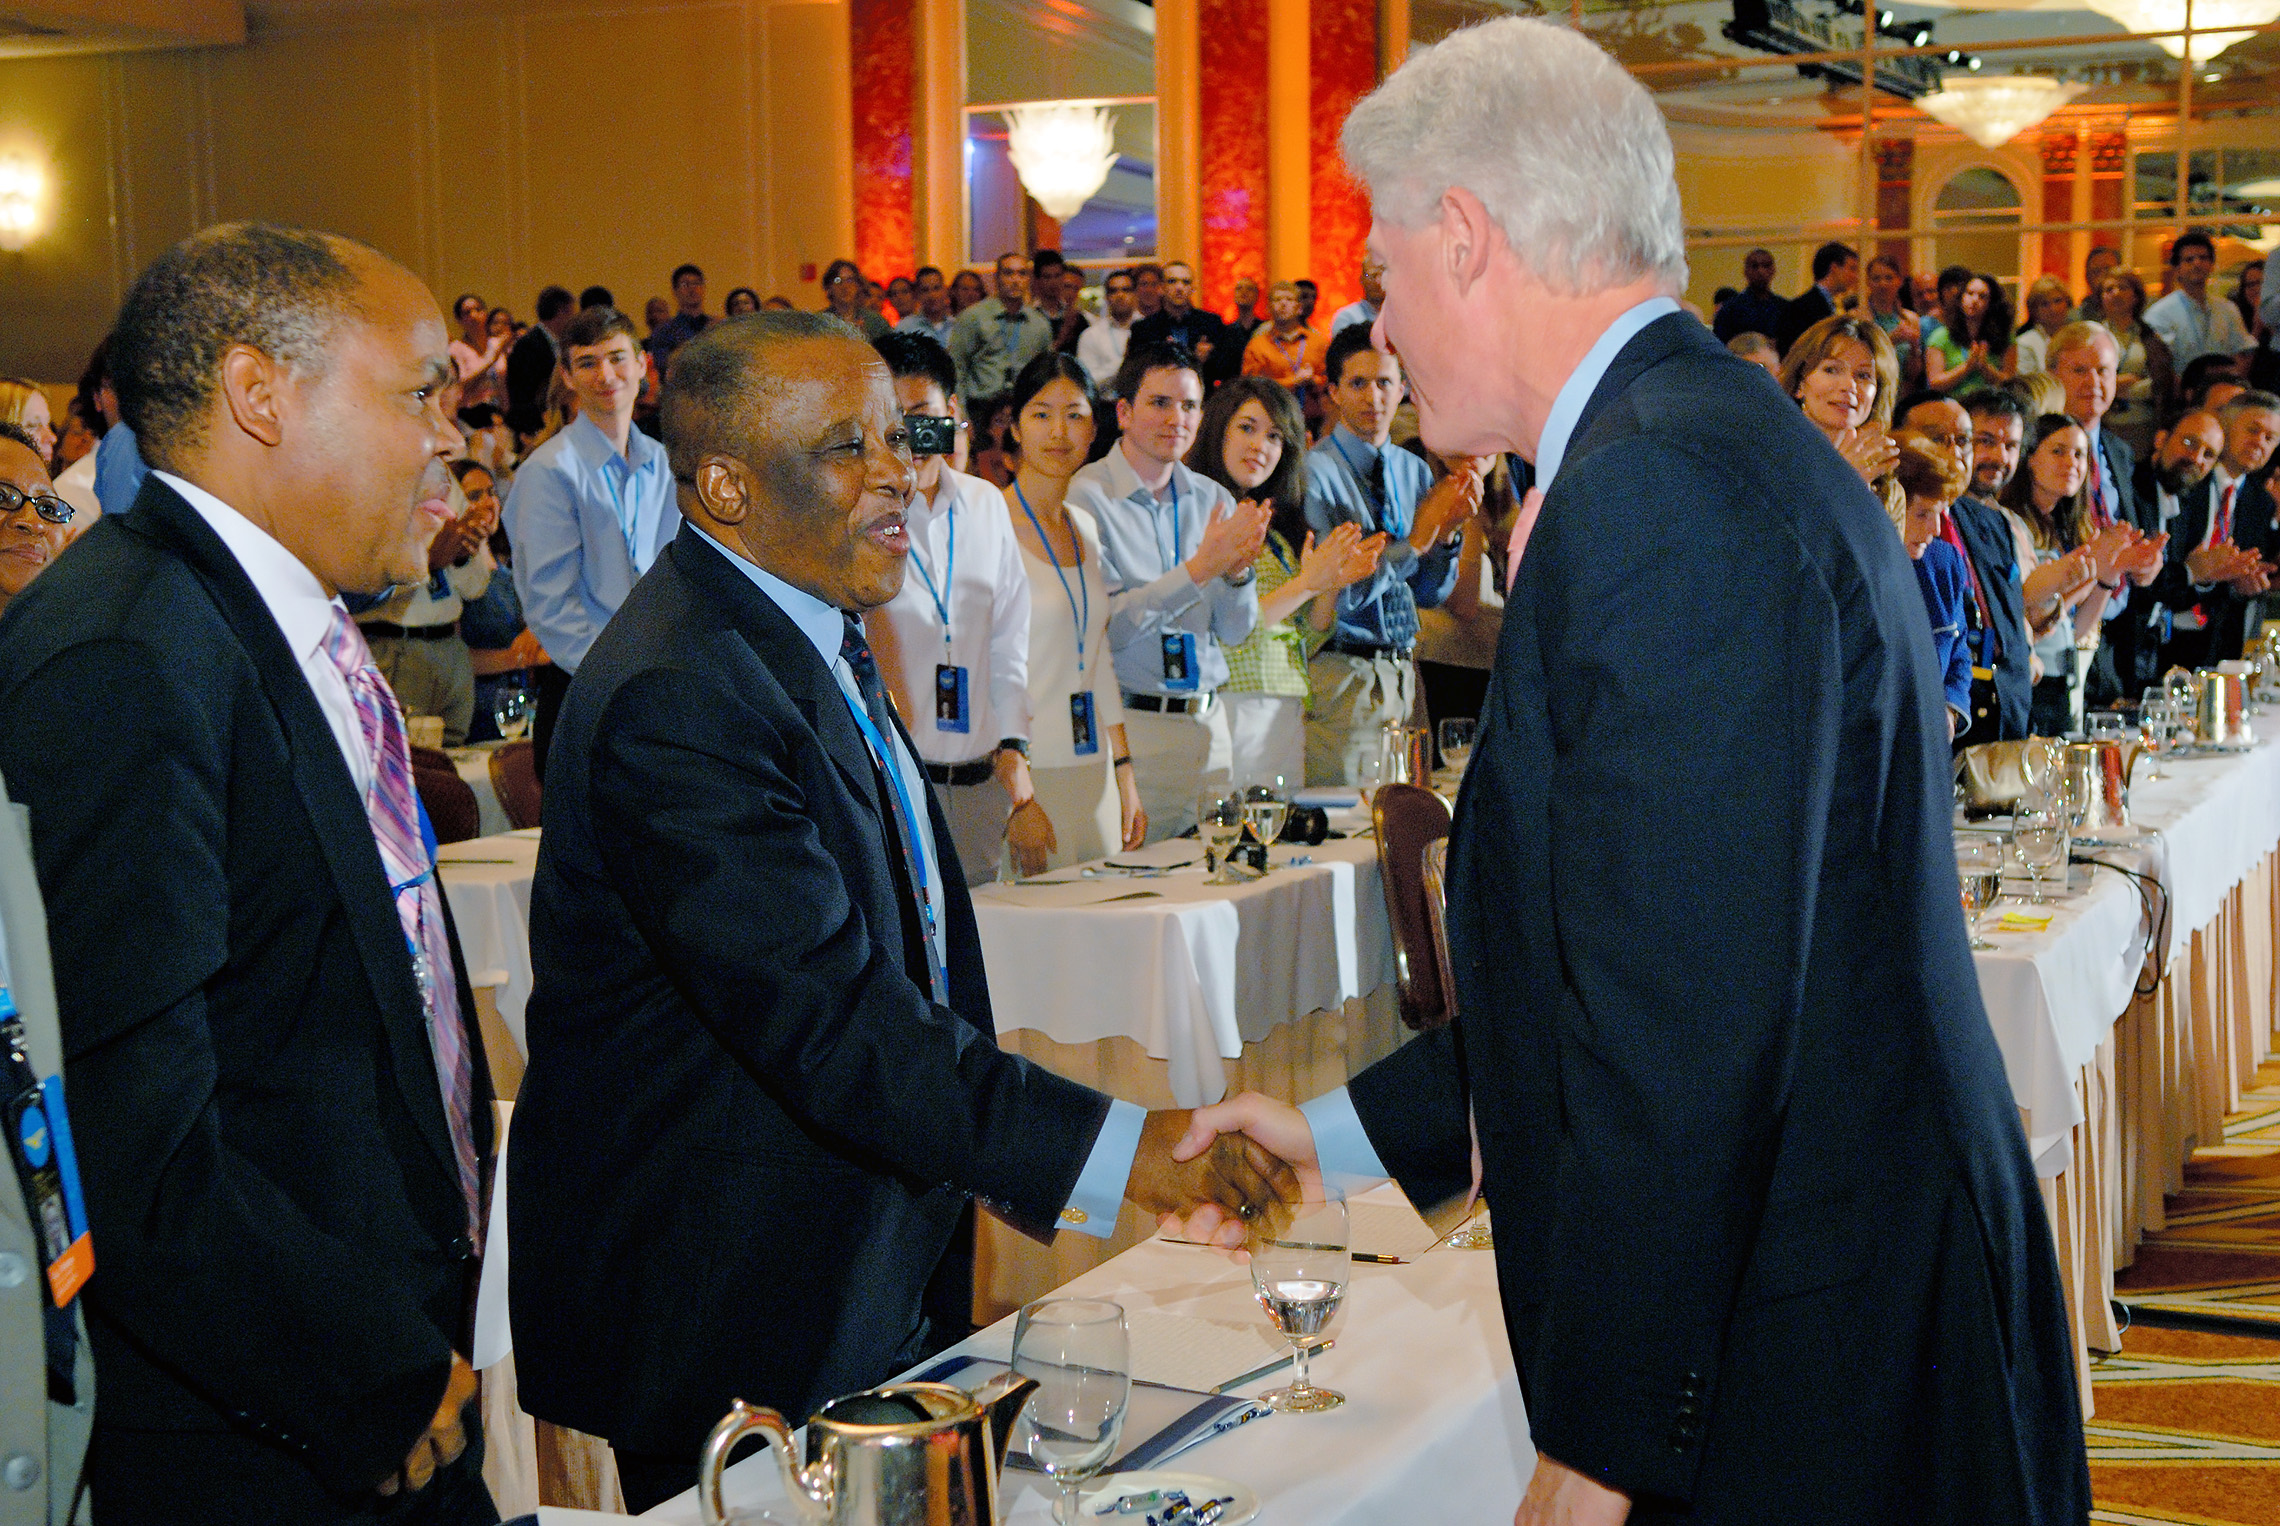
{"x": 49, "y": 507}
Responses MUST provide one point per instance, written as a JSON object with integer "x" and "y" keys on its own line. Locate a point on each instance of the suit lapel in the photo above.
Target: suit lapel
{"x": 336, "y": 813}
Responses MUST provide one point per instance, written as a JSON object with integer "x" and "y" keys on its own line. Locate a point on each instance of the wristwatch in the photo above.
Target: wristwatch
{"x": 1013, "y": 744}
{"x": 1240, "y": 579}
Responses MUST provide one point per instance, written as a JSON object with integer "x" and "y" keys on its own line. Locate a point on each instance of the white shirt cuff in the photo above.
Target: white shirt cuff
{"x": 1099, "y": 1195}
{"x": 1341, "y": 1146}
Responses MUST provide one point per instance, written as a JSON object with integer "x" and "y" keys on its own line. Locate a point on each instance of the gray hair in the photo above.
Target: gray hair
{"x": 281, "y": 291}
{"x": 2251, "y": 401}
{"x": 714, "y": 390}
{"x": 1566, "y": 151}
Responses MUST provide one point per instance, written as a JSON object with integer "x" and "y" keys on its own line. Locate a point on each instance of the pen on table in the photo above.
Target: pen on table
{"x": 1375, "y": 1260}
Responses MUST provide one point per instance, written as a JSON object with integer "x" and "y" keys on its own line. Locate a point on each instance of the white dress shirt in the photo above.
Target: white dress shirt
{"x": 988, "y": 605}
{"x": 1100, "y": 350}
{"x": 1058, "y": 597}
{"x": 302, "y": 610}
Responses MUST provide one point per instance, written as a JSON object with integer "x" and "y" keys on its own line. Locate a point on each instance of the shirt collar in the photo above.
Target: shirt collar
{"x": 1126, "y": 482}
{"x": 594, "y": 447}
{"x": 824, "y": 626}
{"x": 1575, "y": 392}
{"x": 296, "y": 600}
{"x": 1353, "y": 447}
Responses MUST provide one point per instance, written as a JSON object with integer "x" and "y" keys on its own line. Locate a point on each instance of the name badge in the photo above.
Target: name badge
{"x": 1083, "y": 734}
{"x": 1181, "y": 670}
{"x": 39, "y": 1138}
{"x": 950, "y": 699}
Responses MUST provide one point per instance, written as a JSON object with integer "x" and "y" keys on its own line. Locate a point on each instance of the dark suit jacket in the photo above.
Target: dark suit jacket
{"x": 2129, "y": 657}
{"x": 1805, "y": 309}
{"x": 1226, "y": 360}
{"x": 746, "y": 1137}
{"x": 530, "y": 369}
{"x": 281, "y": 1250}
{"x": 1995, "y": 558}
{"x": 1768, "y": 1238}
{"x": 2230, "y": 618}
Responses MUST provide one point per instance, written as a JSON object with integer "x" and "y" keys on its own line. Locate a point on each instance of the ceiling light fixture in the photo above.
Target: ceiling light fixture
{"x": 1062, "y": 152}
{"x": 1991, "y": 110}
{"x": 2226, "y": 22}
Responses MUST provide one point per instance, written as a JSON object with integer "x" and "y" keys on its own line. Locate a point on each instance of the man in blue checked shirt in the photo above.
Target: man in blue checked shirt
{"x": 1365, "y": 677}
{"x": 589, "y": 510}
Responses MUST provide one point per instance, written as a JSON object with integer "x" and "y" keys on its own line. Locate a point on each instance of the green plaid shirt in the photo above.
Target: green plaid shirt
{"x": 1272, "y": 659}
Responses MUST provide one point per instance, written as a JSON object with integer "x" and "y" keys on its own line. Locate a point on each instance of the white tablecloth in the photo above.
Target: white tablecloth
{"x": 2054, "y": 996}
{"x": 1433, "y": 1429}
{"x": 488, "y": 883}
{"x": 474, "y": 765}
{"x": 1189, "y": 970}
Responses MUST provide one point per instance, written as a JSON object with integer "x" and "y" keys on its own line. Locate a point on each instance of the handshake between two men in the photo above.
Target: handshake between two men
{"x": 1228, "y": 1174}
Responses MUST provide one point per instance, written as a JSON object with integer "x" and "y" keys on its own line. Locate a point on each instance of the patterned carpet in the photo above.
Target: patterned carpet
{"x": 2188, "y": 1423}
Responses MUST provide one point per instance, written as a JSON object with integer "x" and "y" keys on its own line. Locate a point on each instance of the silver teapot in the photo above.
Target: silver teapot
{"x": 2097, "y": 784}
{"x": 910, "y": 1454}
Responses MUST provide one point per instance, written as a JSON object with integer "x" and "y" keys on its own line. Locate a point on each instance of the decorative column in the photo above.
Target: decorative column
{"x": 940, "y": 132}
{"x": 881, "y": 38}
{"x": 1895, "y": 177}
{"x": 1343, "y": 69}
{"x": 2058, "y": 172}
{"x": 1179, "y": 154}
{"x": 1291, "y": 150}
{"x": 1233, "y": 120}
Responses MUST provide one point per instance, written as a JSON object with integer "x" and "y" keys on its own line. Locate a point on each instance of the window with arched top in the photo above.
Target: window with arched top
{"x": 1978, "y": 213}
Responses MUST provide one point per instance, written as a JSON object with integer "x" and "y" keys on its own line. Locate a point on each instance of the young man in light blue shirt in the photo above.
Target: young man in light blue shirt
{"x": 589, "y": 510}
{"x": 1176, "y": 550}
{"x": 1364, "y": 679}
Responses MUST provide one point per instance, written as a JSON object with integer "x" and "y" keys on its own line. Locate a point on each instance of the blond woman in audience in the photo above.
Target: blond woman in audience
{"x": 23, "y": 404}
{"x": 1843, "y": 373}
{"x": 2048, "y": 304}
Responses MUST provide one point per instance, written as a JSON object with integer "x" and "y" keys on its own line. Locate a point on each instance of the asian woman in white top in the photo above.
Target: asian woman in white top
{"x": 1079, "y": 762}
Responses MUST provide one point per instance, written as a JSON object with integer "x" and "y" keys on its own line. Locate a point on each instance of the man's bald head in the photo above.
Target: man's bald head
{"x": 718, "y": 393}
{"x": 788, "y": 447}
{"x": 278, "y": 290}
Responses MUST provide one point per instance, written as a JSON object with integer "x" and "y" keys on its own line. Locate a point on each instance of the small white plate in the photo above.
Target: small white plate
{"x": 1199, "y": 1489}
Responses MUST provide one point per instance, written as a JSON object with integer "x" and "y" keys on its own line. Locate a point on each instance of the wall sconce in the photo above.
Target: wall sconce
{"x": 1062, "y": 153}
{"x": 21, "y": 187}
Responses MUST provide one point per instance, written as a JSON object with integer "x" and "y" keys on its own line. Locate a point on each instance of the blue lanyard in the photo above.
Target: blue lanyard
{"x": 1083, "y": 618}
{"x": 886, "y": 760}
{"x": 941, "y": 596}
{"x": 625, "y": 521}
{"x": 1362, "y": 478}
{"x": 1275, "y": 544}
{"x": 1174, "y": 559}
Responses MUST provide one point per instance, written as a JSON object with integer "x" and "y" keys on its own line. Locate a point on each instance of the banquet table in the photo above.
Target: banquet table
{"x": 1433, "y": 1428}
{"x": 473, "y": 765}
{"x": 487, "y": 881}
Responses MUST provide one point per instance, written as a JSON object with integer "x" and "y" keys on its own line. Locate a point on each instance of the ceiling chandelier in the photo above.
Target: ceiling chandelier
{"x": 2225, "y": 21}
{"x": 1063, "y": 153}
{"x": 1991, "y": 110}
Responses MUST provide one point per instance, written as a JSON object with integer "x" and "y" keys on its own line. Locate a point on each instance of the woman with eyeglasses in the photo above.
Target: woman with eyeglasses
{"x": 843, "y": 292}
{"x": 35, "y": 525}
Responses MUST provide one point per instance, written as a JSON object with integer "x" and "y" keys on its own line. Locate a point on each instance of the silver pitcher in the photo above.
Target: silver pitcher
{"x": 2098, "y": 784}
{"x": 911, "y": 1454}
{"x": 2220, "y": 712}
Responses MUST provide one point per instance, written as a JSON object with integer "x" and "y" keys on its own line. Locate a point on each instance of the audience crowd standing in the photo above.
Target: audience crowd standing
{"x": 1156, "y": 549}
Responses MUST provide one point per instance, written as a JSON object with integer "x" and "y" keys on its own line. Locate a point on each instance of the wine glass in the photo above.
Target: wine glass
{"x": 1266, "y": 806}
{"x": 1456, "y": 742}
{"x": 1081, "y": 1356}
{"x": 1979, "y": 867}
{"x": 2107, "y": 726}
{"x": 1369, "y": 773}
{"x": 510, "y": 709}
{"x": 2154, "y": 720}
{"x": 1219, "y": 822}
{"x": 1299, "y": 1278}
{"x": 2038, "y": 836}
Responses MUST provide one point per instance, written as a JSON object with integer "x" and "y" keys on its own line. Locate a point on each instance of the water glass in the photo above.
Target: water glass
{"x": 1299, "y": 1278}
{"x": 2039, "y": 838}
{"x": 511, "y": 707}
{"x": 1219, "y": 822}
{"x": 1456, "y": 742}
{"x": 1266, "y": 806}
{"x": 1080, "y": 1353}
{"x": 1979, "y": 869}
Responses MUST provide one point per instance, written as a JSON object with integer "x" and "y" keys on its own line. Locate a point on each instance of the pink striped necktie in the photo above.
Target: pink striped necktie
{"x": 392, "y": 806}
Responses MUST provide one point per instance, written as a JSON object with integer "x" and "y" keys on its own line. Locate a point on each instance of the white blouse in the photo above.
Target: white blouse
{"x": 1056, "y": 601}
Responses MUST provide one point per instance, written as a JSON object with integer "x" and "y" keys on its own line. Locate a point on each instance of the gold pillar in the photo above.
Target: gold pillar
{"x": 938, "y": 135}
{"x": 1179, "y": 179}
{"x": 2078, "y": 244}
{"x": 1393, "y": 35}
{"x": 1289, "y": 149}
{"x": 811, "y": 111}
